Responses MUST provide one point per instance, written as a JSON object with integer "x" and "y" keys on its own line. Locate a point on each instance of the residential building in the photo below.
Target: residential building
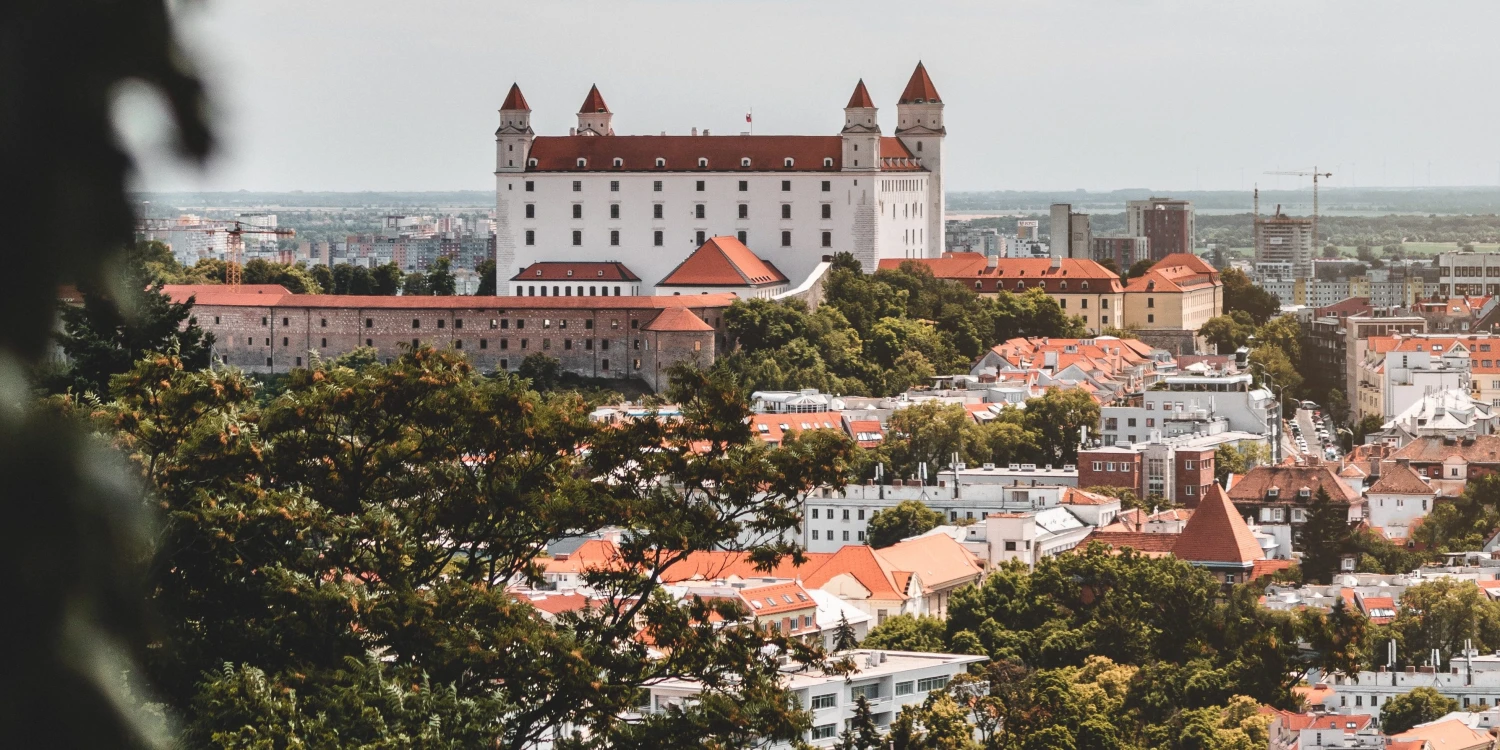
{"x": 1397, "y": 500}
{"x": 1468, "y": 274}
{"x": 1449, "y": 462}
{"x": 1168, "y": 225}
{"x": 1278, "y": 498}
{"x": 1167, "y": 305}
{"x": 592, "y": 195}
{"x": 1217, "y": 538}
{"x": 1081, "y": 286}
{"x": 888, "y": 680}
{"x": 1362, "y": 384}
{"x": 1179, "y": 469}
{"x": 1124, "y": 251}
{"x": 1286, "y": 241}
{"x": 1108, "y": 367}
{"x": 1070, "y": 236}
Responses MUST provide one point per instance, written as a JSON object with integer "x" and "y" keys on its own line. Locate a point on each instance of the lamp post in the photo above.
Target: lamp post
{"x": 1277, "y": 393}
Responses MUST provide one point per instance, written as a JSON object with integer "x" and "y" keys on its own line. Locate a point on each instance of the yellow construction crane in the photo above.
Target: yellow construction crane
{"x": 234, "y": 248}
{"x": 1316, "y": 175}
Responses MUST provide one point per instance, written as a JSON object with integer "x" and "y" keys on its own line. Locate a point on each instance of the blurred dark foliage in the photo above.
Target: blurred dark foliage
{"x": 74, "y": 532}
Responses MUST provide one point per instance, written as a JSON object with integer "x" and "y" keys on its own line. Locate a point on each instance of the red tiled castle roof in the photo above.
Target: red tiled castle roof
{"x": 767, "y": 153}
{"x": 514, "y": 99}
{"x": 559, "y": 270}
{"x": 920, "y": 89}
{"x": 723, "y": 261}
{"x": 1217, "y": 534}
{"x": 861, "y": 97}
{"x": 594, "y": 102}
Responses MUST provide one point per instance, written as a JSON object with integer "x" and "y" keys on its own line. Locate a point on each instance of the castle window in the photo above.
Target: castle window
{"x": 828, "y": 210}
{"x": 614, "y": 237}
{"x": 786, "y": 210}
{"x": 531, "y": 236}
{"x": 786, "y": 239}
{"x": 369, "y": 322}
{"x": 604, "y": 365}
{"x": 701, "y": 238}
{"x": 531, "y": 210}
{"x": 743, "y": 236}
{"x": 1085, "y": 285}
{"x": 744, "y": 210}
{"x": 828, "y": 239}
{"x": 369, "y": 342}
{"x": 416, "y": 323}
{"x": 1062, "y": 285}
{"x": 578, "y": 186}
{"x": 656, "y": 211}
{"x": 656, "y": 186}
{"x": 582, "y": 162}
{"x": 614, "y": 210}
{"x": 578, "y": 210}
{"x": 484, "y": 343}
{"x": 702, "y": 162}
{"x": 919, "y": 145}
{"x": 614, "y": 186}
{"x": 458, "y": 344}
{"x": 530, "y": 163}
{"x": 619, "y": 163}
{"x": 577, "y": 237}
{"x": 441, "y": 322}
{"x": 827, "y": 162}
{"x": 786, "y": 186}
{"x": 658, "y": 238}
{"x": 744, "y": 185}
{"x": 787, "y": 162}
{"x": 744, "y": 162}
{"x": 698, "y": 211}
{"x": 660, "y": 162}
{"x": 505, "y": 364}
{"x": 701, "y": 186}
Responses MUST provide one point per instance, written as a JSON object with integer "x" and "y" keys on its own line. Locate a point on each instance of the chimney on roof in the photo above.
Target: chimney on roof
{"x": 705, "y": 131}
{"x": 572, "y": 131}
{"x": 1057, "y": 261}
{"x": 992, "y": 262}
{"x": 695, "y": 130}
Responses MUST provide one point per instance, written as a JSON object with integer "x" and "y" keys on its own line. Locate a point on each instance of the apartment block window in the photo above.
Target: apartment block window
{"x": 614, "y": 236}
{"x": 700, "y": 211}
{"x": 1098, "y": 466}
{"x": 786, "y": 239}
{"x": 828, "y": 210}
{"x": 656, "y": 186}
{"x": 614, "y": 186}
{"x": 786, "y": 186}
{"x": 744, "y": 186}
{"x": 823, "y": 701}
{"x": 846, "y": 536}
{"x": 846, "y": 514}
{"x": 742, "y": 235}
{"x": 904, "y": 688}
{"x": 931, "y": 683}
{"x": 701, "y": 236}
{"x": 744, "y": 210}
{"x": 827, "y": 186}
{"x": 531, "y": 236}
{"x": 786, "y": 210}
{"x": 531, "y": 210}
{"x": 828, "y": 239}
{"x": 577, "y": 237}
{"x": 1188, "y": 464}
{"x": 824, "y": 731}
{"x": 578, "y": 186}
{"x": 530, "y": 186}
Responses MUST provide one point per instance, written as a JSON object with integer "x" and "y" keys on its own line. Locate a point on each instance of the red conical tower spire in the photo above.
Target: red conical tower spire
{"x": 919, "y": 90}
{"x": 594, "y": 102}
{"x": 861, "y": 97}
{"x": 514, "y": 99}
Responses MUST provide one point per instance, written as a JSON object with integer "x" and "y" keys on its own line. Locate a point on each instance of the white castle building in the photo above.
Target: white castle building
{"x": 648, "y": 201}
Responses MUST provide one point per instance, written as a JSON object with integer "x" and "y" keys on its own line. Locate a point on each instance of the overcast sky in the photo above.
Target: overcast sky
{"x": 1040, "y": 94}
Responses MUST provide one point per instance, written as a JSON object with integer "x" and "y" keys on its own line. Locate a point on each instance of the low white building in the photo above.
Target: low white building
{"x": 1469, "y": 680}
{"x": 888, "y": 680}
{"x": 1396, "y": 499}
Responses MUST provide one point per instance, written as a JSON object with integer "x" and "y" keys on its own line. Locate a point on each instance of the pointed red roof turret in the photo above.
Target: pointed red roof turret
{"x": 861, "y": 97}
{"x": 594, "y": 102}
{"x": 919, "y": 90}
{"x": 514, "y": 100}
{"x": 1217, "y": 534}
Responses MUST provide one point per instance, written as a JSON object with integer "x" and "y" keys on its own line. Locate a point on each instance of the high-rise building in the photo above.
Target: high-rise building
{"x": 1170, "y": 225}
{"x": 1070, "y": 233}
{"x": 1283, "y": 242}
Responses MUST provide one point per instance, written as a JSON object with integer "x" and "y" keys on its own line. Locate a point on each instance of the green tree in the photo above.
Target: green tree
{"x": 1419, "y": 706}
{"x": 1228, "y": 332}
{"x": 1330, "y": 251}
{"x": 908, "y": 633}
{"x": 440, "y": 280}
{"x": 939, "y": 723}
{"x": 323, "y": 275}
{"x": 486, "y": 273}
{"x": 844, "y": 638}
{"x": 117, "y": 324}
{"x": 907, "y": 519}
{"x": 1325, "y": 537}
{"x": 1370, "y": 423}
{"x": 384, "y": 511}
{"x": 343, "y": 276}
{"x": 544, "y": 372}
{"x": 862, "y": 733}
{"x": 416, "y": 285}
{"x": 1242, "y": 294}
{"x": 386, "y": 280}
{"x": 1139, "y": 268}
{"x": 1061, "y": 419}
{"x": 1443, "y": 614}
{"x": 1238, "y": 459}
{"x": 931, "y": 433}
{"x": 296, "y": 278}
{"x": 361, "y": 281}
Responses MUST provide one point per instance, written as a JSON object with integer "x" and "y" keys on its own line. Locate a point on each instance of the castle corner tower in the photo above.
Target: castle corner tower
{"x": 919, "y": 115}
{"x": 513, "y": 139}
{"x": 861, "y": 132}
{"x": 594, "y": 117}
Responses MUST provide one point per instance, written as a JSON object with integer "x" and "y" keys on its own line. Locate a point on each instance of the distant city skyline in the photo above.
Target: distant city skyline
{"x": 1040, "y": 96}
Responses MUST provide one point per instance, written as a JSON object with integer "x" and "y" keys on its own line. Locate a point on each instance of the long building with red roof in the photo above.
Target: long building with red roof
{"x": 267, "y": 329}
{"x": 595, "y": 195}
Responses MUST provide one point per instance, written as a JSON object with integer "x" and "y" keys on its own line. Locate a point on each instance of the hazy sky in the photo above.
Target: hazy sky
{"x": 1040, "y": 94}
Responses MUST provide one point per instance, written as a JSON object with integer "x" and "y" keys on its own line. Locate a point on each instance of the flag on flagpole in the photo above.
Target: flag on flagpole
{"x": 747, "y": 117}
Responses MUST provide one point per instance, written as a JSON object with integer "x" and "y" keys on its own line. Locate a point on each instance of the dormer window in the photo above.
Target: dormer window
{"x": 618, "y": 162}
{"x": 531, "y": 162}
{"x": 1274, "y": 492}
{"x": 539, "y": 272}
{"x": 827, "y": 161}
{"x": 745, "y": 161}
{"x": 582, "y": 162}
{"x": 1085, "y": 285}
{"x": 601, "y": 272}
{"x": 570, "y": 272}
{"x": 660, "y": 162}
{"x": 702, "y": 162}
{"x": 1304, "y": 493}
{"x": 1062, "y": 285}
{"x": 787, "y": 162}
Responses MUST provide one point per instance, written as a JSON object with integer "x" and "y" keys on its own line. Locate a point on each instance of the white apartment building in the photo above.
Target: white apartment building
{"x": 888, "y": 680}
{"x": 1468, "y": 274}
{"x": 1470, "y": 680}
{"x": 1202, "y": 404}
{"x": 650, "y": 200}
{"x": 1411, "y": 375}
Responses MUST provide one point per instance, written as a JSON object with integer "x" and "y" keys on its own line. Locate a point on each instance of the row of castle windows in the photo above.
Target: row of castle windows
{"x": 699, "y": 185}
{"x": 495, "y": 323}
{"x": 700, "y": 236}
{"x": 700, "y": 210}
{"x": 588, "y": 344}
{"x": 504, "y": 363}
